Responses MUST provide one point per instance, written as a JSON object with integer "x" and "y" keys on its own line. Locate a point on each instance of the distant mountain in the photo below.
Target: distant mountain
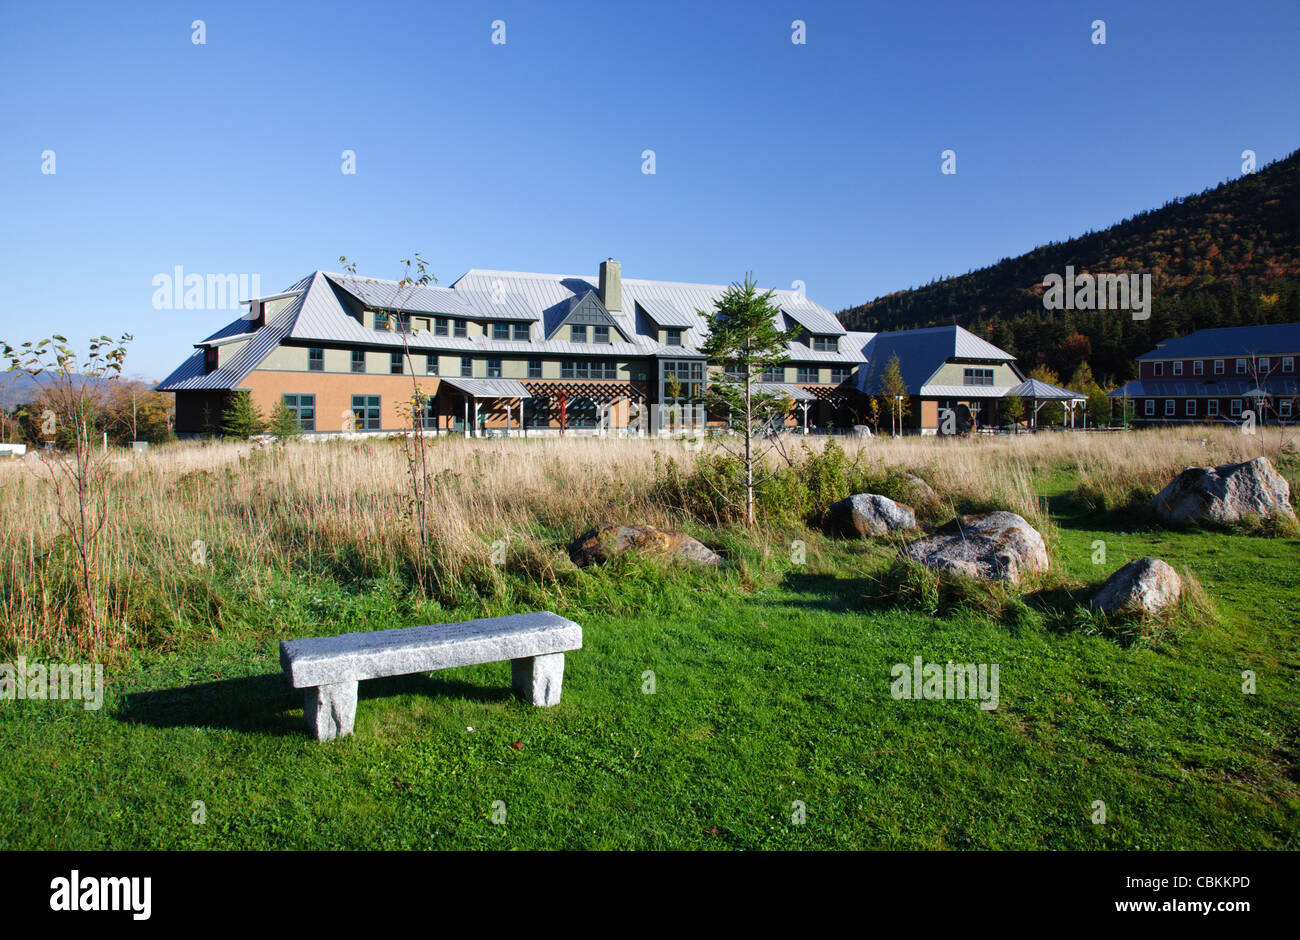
{"x": 1225, "y": 257}
{"x": 19, "y": 387}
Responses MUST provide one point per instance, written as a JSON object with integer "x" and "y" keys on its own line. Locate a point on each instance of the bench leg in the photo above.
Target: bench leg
{"x": 537, "y": 679}
{"x": 330, "y": 710}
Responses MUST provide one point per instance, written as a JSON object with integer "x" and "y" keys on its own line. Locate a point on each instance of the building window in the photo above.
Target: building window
{"x": 689, "y": 373}
{"x": 1171, "y": 407}
{"x": 519, "y": 332}
{"x": 776, "y": 374}
{"x": 673, "y": 337}
{"x": 1218, "y": 367}
{"x": 358, "y": 360}
{"x": 501, "y": 331}
{"x": 588, "y": 369}
{"x": 494, "y": 368}
{"x": 440, "y": 325}
{"x": 466, "y": 367}
{"x": 1241, "y": 366}
{"x": 316, "y": 360}
{"x": 826, "y": 343}
{"x": 431, "y": 363}
{"x": 1149, "y": 407}
{"x": 1234, "y": 408}
{"x": 1263, "y": 365}
{"x": 534, "y": 368}
{"x": 1288, "y": 363}
{"x": 381, "y": 321}
{"x": 578, "y": 332}
{"x": 840, "y": 374}
{"x": 1191, "y": 407}
{"x": 365, "y": 412}
{"x": 302, "y": 407}
{"x": 600, "y": 334}
{"x": 395, "y": 363}
{"x": 460, "y": 329}
{"x": 806, "y": 375}
{"x": 426, "y": 417}
{"x": 1284, "y": 408}
{"x": 210, "y": 359}
{"x": 1198, "y": 367}
{"x": 1178, "y": 368}
{"x": 1157, "y": 368}
{"x": 1212, "y": 407}
{"x": 977, "y": 377}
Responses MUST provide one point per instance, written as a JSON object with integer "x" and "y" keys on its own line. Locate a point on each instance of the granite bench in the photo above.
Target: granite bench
{"x": 328, "y": 669}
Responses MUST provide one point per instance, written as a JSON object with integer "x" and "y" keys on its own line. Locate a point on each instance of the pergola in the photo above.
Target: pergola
{"x": 1042, "y": 393}
{"x": 604, "y": 394}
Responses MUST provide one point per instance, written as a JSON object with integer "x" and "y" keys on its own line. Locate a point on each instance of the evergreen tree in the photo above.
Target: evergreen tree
{"x": 242, "y": 418}
{"x": 284, "y": 423}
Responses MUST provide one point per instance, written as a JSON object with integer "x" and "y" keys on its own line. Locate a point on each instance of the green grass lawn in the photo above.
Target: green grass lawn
{"x": 771, "y": 685}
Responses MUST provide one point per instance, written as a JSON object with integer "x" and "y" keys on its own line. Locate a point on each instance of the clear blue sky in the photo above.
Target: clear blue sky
{"x": 817, "y": 162}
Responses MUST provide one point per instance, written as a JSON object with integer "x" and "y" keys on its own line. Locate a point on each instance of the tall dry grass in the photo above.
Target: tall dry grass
{"x": 193, "y": 521}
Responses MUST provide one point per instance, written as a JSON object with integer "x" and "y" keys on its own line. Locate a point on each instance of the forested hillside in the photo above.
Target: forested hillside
{"x": 1225, "y": 257}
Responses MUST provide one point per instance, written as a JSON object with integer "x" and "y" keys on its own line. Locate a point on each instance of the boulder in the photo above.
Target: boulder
{"x": 866, "y": 514}
{"x": 861, "y": 430}
{"x": 1224, "y": 495}
{"x": 605, "y": 541}
{"x": 1146, "y": 585}
{"x": 990, "y": 546}
{"x": 919, "y": 485}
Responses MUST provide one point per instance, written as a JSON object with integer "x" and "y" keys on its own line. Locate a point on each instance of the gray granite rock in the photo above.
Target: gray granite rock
{"x": 328, "y": 668}
{"x": 605, "y": 541}
{"x": 1225, "y": 495}
{"x": 989, "y": 546}
{"x": 867, "y": 514}
{"x": 1148, "y": 584}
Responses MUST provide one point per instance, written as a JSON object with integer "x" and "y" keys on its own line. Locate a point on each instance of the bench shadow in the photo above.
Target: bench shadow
{"x": 267, "y": 704}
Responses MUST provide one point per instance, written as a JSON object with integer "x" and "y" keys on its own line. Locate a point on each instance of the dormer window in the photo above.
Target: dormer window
{"x": 460, "y": 329}
{"x": 578, "y": 332}
{"x": 600, "y": 334}
{"x": 519, "y": 332}
{"x": 441, "y": 326}
{"x": 673, "y": 337}
{"x": 381, "y": 322}
{"x": 210, "y": 359}
{"x": 826, "y": 343}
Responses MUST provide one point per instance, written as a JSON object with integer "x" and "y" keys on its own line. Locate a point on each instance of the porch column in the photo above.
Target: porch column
{"x": 467, "y": 424}
{"x": 477, "y": 432}
{"x": 523, "y": 428}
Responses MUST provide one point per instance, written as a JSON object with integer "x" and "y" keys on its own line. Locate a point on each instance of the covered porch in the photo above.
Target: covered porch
{"x": 479, "y": 407}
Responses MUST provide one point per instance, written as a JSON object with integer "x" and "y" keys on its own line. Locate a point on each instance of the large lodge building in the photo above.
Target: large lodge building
{"x": 497, "y": 352}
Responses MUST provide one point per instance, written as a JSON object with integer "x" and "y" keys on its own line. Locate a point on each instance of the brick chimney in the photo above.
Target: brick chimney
{"x": 611, "y": 284}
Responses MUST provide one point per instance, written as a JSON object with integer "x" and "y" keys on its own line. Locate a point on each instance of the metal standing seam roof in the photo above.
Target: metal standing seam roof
{"x": 813, "y": 318}
{"x": 1228, "y": 388}
{"x": 319, "y": 312}
{"x": 191, "y": 374}
{"x": 1225, "y": 342}
{"x": 666, "y": 314}
{"x": 785, "y": 388}
{"x": 1043, "y": 391}
{"x": 921, "y": 353}
{"x": 489, "y": 388}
